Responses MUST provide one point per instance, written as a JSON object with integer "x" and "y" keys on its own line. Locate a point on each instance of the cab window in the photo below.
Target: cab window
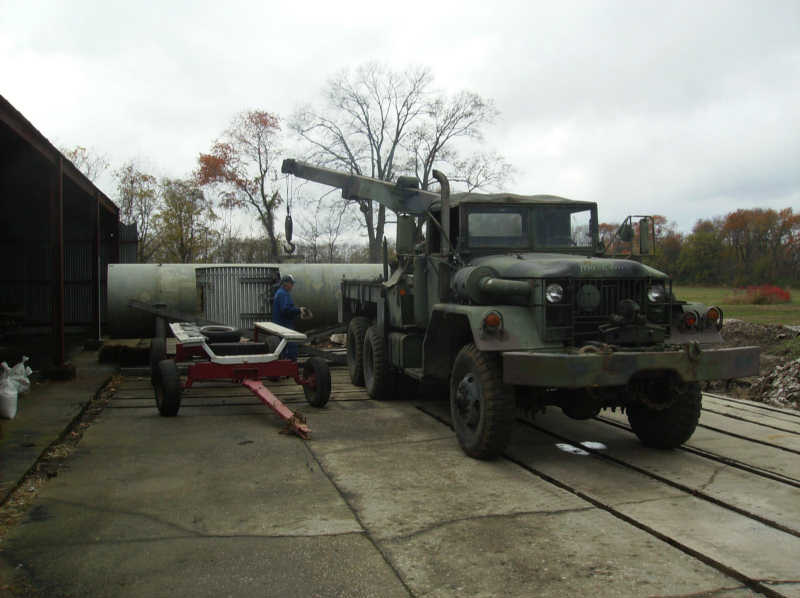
{"x": 501, "y": 227}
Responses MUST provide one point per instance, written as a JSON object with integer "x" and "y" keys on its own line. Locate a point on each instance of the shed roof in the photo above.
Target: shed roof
{"x": 20, "y": 125}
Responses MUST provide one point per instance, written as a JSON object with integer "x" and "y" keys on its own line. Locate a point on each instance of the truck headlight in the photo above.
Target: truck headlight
{"x": 656, "y": 293}
{"x": 554, "y": 293}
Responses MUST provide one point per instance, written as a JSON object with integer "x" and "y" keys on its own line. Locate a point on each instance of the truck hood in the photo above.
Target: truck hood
{"x": 560, "y": 265}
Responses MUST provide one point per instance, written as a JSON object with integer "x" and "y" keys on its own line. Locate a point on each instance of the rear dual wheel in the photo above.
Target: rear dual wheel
{"x": 378, "y": 377}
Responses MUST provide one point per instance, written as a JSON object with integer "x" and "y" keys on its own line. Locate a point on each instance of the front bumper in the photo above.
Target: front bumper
{"x": 562, "y": 370}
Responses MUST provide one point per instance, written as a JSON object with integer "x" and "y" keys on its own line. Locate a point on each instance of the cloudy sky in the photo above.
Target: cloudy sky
{"x": 688, "y": 109}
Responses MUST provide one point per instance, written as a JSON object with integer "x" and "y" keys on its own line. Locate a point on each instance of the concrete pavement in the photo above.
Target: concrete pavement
{"x": 381, "y": 502}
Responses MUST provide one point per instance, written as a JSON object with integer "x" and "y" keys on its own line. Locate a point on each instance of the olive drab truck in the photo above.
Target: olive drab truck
{"x": 512, "y": 301}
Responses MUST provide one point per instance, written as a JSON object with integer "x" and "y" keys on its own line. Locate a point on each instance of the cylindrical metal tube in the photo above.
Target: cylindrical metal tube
{"x": 467, "y": 282}
{"x": 502, "y": 286}
{"x": 317, "y": 287}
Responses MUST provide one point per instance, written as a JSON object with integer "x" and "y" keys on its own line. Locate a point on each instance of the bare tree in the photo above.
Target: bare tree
{"x": 338, "y": 221}
{"x": 366, "y": 117}
{"x": 485, "y": 170}
{"x": 461, "y": 116}
{"x": 139, "y": 202}
{"x": 89, "y": 162}
{"x": 380, "y": 123}
{"x": 325, "y": 223}
{"x": 310, "y": 234}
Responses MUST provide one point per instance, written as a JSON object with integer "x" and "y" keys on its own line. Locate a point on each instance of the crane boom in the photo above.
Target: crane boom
{"x": 401, "y": 197}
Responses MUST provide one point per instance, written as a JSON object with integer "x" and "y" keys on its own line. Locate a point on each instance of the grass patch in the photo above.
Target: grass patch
{"x": 790, "y": 348}
{"x": 783, "y": 313}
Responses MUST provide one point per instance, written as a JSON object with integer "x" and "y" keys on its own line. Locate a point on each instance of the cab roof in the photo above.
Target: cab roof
{"x": 512, "y": 198}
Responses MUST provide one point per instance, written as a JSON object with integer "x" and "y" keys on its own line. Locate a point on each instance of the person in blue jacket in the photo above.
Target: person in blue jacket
{"x": 284, "y": 313}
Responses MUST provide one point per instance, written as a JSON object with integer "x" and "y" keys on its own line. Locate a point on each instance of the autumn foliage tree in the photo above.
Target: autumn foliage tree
{"x": 90, "y": 162}
{"x": 185, "y": 223}
{"x": 242, "y": 167}
{"x": 745, "y": 247}
{"x": 138, "y": 198}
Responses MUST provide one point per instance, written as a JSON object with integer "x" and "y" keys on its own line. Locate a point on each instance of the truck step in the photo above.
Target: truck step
{"x": 414, "y": 373}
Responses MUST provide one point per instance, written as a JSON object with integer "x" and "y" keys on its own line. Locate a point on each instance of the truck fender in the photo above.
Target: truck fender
{"x": 447, "y": 332}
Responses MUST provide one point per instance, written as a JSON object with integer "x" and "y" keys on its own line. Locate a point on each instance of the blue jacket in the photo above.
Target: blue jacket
{"x": 283, "y": 309}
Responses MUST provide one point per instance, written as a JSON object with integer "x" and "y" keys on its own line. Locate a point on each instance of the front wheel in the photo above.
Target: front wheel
{"x": 316, "y": 368}
{"x": 670, "y": 426}
{"x": 481, "y": 406}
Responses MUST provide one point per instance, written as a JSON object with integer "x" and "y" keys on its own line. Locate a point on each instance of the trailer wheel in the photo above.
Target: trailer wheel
{"x": 158, "y": 351}
{"x": 168, "y": 388}
{"x": 481, "y": 406}
{"x": 355, "y": 349}
{"x": 377, "y": 377}
{"x": 216, "y": 333}
{"x": 319, "y": 395}
{"x": 671, "y": 426}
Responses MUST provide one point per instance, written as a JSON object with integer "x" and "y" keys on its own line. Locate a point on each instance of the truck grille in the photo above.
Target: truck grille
{"x": 588, "y": 303}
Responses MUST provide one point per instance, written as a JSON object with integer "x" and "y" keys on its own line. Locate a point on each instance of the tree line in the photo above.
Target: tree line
{"x": 372, "y": 121}
{"x": 744, "y": 247}
{"x": 382, "y": 123}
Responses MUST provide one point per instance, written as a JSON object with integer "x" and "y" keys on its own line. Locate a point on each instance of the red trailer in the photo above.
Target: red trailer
{"x": 212, "y": 356}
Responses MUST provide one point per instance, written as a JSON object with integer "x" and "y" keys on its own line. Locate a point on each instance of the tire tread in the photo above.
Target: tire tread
{"x": 500, "y": 409}
{"x": 670, "y": 427}
{"x": 357, "y": 328}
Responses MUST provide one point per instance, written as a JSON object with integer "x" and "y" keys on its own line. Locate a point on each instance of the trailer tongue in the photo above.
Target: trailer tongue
{"x": 245, "y": 363}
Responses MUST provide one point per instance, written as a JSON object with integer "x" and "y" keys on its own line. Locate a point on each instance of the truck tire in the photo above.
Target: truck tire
{"x": 377, "y": 377}
{"x": 672, "y": 426}
{"x": 158, "y": 352}
{"x": 319, "y": 395}
{"x": 217, "y": 333}
{"x": 481, "y": 406}
{"x": 168, "y": 388}
{"x": 355, "y": 349}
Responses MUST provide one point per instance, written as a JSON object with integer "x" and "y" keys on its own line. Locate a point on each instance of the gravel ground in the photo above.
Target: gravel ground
{"x": 779, "y": 383}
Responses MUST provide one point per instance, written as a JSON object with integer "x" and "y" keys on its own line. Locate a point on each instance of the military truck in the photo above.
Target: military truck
{"x": 511, "y": 301}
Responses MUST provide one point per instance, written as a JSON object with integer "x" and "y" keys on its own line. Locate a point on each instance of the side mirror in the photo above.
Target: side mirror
{"x": 646, "y": 236}
{"x": 625, "y": 231}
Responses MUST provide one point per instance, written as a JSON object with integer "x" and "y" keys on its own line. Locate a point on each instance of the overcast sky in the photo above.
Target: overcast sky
{"x": 688, "y": 109}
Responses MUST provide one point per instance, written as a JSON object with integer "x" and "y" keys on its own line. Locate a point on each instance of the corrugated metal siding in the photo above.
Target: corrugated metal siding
{"x": 38, "y": 306}
{"x": 78, "y": 261}
{"x": 78, "y": 303}
{"x": 79, "y": 289}
{"x": 236, "y": 295}
{"x": 128, "y": 243}
{"x": 25, "y": 280}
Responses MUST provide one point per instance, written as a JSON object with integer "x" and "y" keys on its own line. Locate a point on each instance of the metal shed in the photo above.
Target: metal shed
{"x": 58, "y": 233}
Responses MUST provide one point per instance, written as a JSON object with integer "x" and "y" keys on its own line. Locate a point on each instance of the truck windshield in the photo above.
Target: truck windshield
{"x": 562, "y": 226}
{"x": 505, "y": 226}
